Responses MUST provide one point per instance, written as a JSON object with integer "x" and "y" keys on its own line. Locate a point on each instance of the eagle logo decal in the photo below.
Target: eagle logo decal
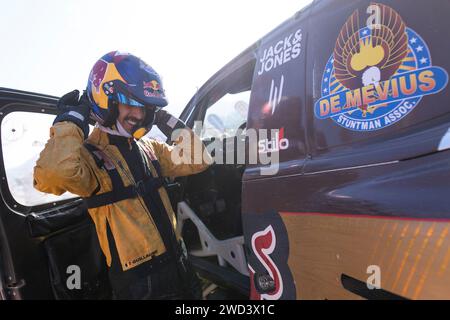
{"x": 377, "y": 73}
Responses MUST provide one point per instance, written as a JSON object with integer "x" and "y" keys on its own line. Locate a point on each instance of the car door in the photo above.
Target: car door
{"x": 270, "y": 188}
{"x": 372, "y": 203}
{"x": 210, "y": 215}
{"x": 49, "y": 248}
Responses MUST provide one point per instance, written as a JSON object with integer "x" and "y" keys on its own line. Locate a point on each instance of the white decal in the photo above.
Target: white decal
{"x": 279, "y": 142}
{"x": 283, "y": 51}
{"x": 276, "y": 93}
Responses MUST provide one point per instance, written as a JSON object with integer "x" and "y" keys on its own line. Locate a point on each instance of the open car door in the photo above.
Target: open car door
{"x": 209, "y": 215}
{"x": 48, "y": 244}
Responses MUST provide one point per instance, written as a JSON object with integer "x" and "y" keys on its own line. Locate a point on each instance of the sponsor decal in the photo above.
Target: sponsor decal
{"x": 270, "y": 282}
{"x": 108, "y": 88}
{"x": 377, "y": 74}
{"x": 279, "y": 142}
{"x": 152, "y": 88}
{"x": 285, "y": 50}
{"x": 154, "y": 85}
{"x": 267, "y": 259}
{"x": 276, "y": 93}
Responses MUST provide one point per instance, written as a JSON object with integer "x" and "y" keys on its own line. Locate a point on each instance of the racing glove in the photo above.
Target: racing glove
{"x": 167, "y": 123}
{"x": 75, "y": 109}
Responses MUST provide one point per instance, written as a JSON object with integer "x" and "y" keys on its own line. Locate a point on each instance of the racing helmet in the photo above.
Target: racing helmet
{"x": 120, "y": 77}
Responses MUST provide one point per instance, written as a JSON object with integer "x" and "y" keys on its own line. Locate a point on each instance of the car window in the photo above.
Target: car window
{"x": 23, "y": 136}
{"x": 224, "y": 117}
{"x": 223, "y": 109}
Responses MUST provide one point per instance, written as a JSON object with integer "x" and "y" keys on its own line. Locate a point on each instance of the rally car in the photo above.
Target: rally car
{"x": 346, "y": 102}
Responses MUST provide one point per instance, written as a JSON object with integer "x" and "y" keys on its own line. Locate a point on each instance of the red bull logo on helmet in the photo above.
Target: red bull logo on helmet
{"x": 152, "y": 89}
{"x": 154, "y": 85}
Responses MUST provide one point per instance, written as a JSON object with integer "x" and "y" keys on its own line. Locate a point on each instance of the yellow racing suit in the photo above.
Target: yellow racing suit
{"x": 65, "y": 164}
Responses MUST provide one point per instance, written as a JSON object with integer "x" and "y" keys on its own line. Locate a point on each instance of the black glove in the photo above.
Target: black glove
{"x": 75, "y": 109}
{"x": 167, "y": 123}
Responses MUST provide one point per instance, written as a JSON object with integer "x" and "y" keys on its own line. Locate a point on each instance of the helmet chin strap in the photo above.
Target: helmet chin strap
{"x": 121, "y": 130}
{"x": 137, "y": 133}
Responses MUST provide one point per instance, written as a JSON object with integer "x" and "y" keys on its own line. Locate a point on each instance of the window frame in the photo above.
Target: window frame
{"x": 196, "y": 108}
{"x": 7, "y": 197}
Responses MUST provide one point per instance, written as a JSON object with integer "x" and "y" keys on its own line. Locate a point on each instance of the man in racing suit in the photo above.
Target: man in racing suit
{"x": 120, "y": 175}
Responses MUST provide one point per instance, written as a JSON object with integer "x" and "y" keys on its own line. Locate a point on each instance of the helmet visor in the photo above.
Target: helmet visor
{"x": 123, "y": 99}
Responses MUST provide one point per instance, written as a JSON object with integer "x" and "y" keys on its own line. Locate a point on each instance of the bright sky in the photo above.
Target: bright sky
{"x": 49, "y": 46}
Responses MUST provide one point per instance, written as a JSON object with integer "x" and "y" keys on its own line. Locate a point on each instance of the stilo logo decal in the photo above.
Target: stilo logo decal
{"x": 377, "y": 74}
{"x": 269, "y": 285}
{"x": 279, "y": 142}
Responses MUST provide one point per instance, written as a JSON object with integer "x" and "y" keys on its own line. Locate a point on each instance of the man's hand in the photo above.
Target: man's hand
{"x": 74, "y": 109}
{"x": 167, "y": 123}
